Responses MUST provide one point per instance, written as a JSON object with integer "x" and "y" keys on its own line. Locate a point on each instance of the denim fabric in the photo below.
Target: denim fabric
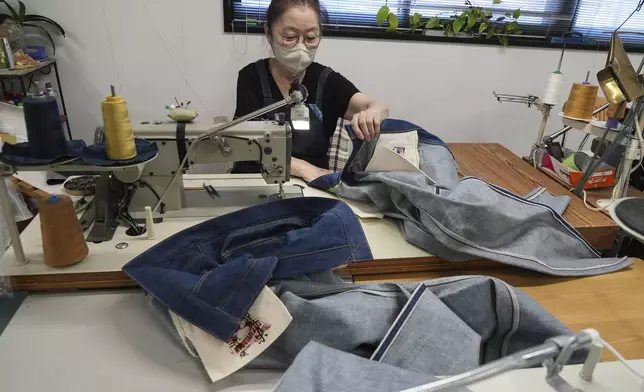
{"x": 438, "y": 327}
{"x": 542, "y": 196}
{"x": 321, "y": 369}
{"x": 467, "y": 219}
{"x": 210, "y": 274}
{"x": 20, "y": 154}
{"x": 96, "y": 154}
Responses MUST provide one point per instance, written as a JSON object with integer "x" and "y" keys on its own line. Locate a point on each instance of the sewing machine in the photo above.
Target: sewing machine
{"x": 266, "y": 142}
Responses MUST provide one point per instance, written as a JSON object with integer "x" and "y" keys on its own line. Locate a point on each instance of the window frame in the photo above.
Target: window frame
{"x": 571, "y": 6}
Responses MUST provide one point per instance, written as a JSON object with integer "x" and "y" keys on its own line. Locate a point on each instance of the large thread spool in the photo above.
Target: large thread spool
{"x": 581, "y": 102}
{"x": 62, "y": 237}
{"x": 44, "y": 127}
{"x": 553, "y": 89}
{"x": 119, "y": 137}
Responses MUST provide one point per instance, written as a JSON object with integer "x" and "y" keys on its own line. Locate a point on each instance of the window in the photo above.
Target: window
{"x": 597, "y": 19}
{"x": 543, "y": 22}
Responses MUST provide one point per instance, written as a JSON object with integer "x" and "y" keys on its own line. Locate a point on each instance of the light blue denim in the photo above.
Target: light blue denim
{"x": 466, "y": 219}
{"x": 438, "y": 327}
{"x": 321, "y": 369}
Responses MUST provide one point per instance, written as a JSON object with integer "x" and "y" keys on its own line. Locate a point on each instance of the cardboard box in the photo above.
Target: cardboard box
{"x": 599, "y": 179}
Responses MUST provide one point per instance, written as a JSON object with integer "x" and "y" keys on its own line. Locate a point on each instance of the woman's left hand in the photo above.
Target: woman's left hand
{"x": 366, "y": 124}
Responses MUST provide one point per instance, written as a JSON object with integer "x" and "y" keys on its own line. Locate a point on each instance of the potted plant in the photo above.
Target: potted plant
{"x": 12, "y": 25}
{"x": 472, "y": 22}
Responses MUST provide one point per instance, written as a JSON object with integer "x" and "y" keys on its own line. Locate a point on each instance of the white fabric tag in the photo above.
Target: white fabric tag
{"x": 404, "y": 144}
{"x": 266, "y": 320}
{"x": 386, "y": 160}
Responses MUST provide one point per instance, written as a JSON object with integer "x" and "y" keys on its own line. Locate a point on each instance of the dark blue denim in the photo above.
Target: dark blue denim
{"x": 20, "y": 154}
{"x": 211, "y": 274}
{"x": 96, "y": 154}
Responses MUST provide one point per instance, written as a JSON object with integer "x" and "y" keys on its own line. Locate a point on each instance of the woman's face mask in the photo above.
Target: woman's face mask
{"x": 294, "y": 59}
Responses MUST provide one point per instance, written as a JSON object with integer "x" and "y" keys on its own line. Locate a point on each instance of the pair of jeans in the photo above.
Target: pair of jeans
{"x": 437, "y": 327}
{"x": 434, "y": 328}
{"x": 322, "y": 369}
{"x": 211, "y": 274}
{"x": 465, "y": 219}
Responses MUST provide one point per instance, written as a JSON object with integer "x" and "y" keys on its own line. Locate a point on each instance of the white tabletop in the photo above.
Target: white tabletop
{"x": 383, "y": 235}
{"x": 113, "y": 341}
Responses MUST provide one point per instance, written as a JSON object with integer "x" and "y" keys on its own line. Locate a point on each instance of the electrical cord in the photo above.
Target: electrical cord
{"x": 122, "y": 214}
{"x": 143, "y": 184}
{"x": 624, "y": 362}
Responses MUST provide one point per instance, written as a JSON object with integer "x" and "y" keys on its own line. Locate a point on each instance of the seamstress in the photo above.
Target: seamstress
{"x": 294, "y": 30}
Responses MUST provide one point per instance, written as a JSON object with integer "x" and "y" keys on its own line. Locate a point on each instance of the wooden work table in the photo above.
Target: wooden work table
{"x": 491, "y": 162}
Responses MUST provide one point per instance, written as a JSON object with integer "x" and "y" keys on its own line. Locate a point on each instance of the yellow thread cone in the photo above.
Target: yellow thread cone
{"x": 119, "y": 138}
{"x": 581, "y": 102}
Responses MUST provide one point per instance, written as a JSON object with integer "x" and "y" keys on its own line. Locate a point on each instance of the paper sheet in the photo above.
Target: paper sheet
{"x": 266, "y": 320}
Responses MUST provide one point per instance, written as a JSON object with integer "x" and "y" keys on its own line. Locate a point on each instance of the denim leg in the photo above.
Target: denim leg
{"x": 321, "y": 369}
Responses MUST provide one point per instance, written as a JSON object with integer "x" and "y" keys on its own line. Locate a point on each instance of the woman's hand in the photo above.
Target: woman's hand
{"x": 366, "y": 115}
{"x": 366, "y": 124}
{"x": 306, "y": 171}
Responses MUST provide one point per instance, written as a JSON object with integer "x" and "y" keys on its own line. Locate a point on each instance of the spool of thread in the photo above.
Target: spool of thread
{"x": 553, "y": 89}
{"x": 581, "y": 102}
{"x": 119, "y": 138}
{"x": 62, "y": 237}
{"x": 44, "y": 127}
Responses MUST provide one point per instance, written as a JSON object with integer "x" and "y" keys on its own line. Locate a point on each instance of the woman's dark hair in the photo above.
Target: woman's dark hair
{"x": 279, "y": 7}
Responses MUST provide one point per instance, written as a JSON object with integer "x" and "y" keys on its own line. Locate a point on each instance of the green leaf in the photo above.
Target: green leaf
{"x": 491, "y": 33}
{"x": 22, "y": 11}
{"x": 497, "y": 2}
{"x": 433, "y": 23}
{"x": 415, "y": 18}
{"x": 40, "y": 18}
{"x": 513, "y": 26}
{"x": 508, "y": 14}
{"x": 517, "y": 14}
{"x": 482, "y": 28}
{"x": 458, "y": 25}
{"x": 14, "y": 14}
{"x": 471, "y": 21}
{"x": 393, "y": 23}
{"x": 488, "y": 15}
{"x": 383, "y": 14}
{"x": 504, "y": 40}
{"x": 51, "y": 39}
{"x": 414, "y": 21}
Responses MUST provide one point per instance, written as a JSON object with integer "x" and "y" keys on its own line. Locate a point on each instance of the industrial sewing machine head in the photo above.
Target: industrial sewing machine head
{"x": 183, "y": 146}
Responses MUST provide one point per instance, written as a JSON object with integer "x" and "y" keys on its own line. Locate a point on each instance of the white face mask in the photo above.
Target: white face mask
{"x": 294, "y": 59}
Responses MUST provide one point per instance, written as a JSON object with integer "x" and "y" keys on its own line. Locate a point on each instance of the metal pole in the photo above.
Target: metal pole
{"x": 62, "y": 100}
{"x": 521, "y": 360}
{"x": 544, "y": 122}
{"x": 14, "y": 233}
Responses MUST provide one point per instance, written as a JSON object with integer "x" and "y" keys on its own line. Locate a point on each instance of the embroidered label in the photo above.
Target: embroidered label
{"x": 266, "y": 320}
{"x": 251, "y": 331}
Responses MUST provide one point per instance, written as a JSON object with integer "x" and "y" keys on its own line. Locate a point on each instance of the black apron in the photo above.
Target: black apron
{"x": 309, "y": 145}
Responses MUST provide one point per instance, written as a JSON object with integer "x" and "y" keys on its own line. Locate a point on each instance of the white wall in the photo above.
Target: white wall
{"x": 446, "y": 88}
